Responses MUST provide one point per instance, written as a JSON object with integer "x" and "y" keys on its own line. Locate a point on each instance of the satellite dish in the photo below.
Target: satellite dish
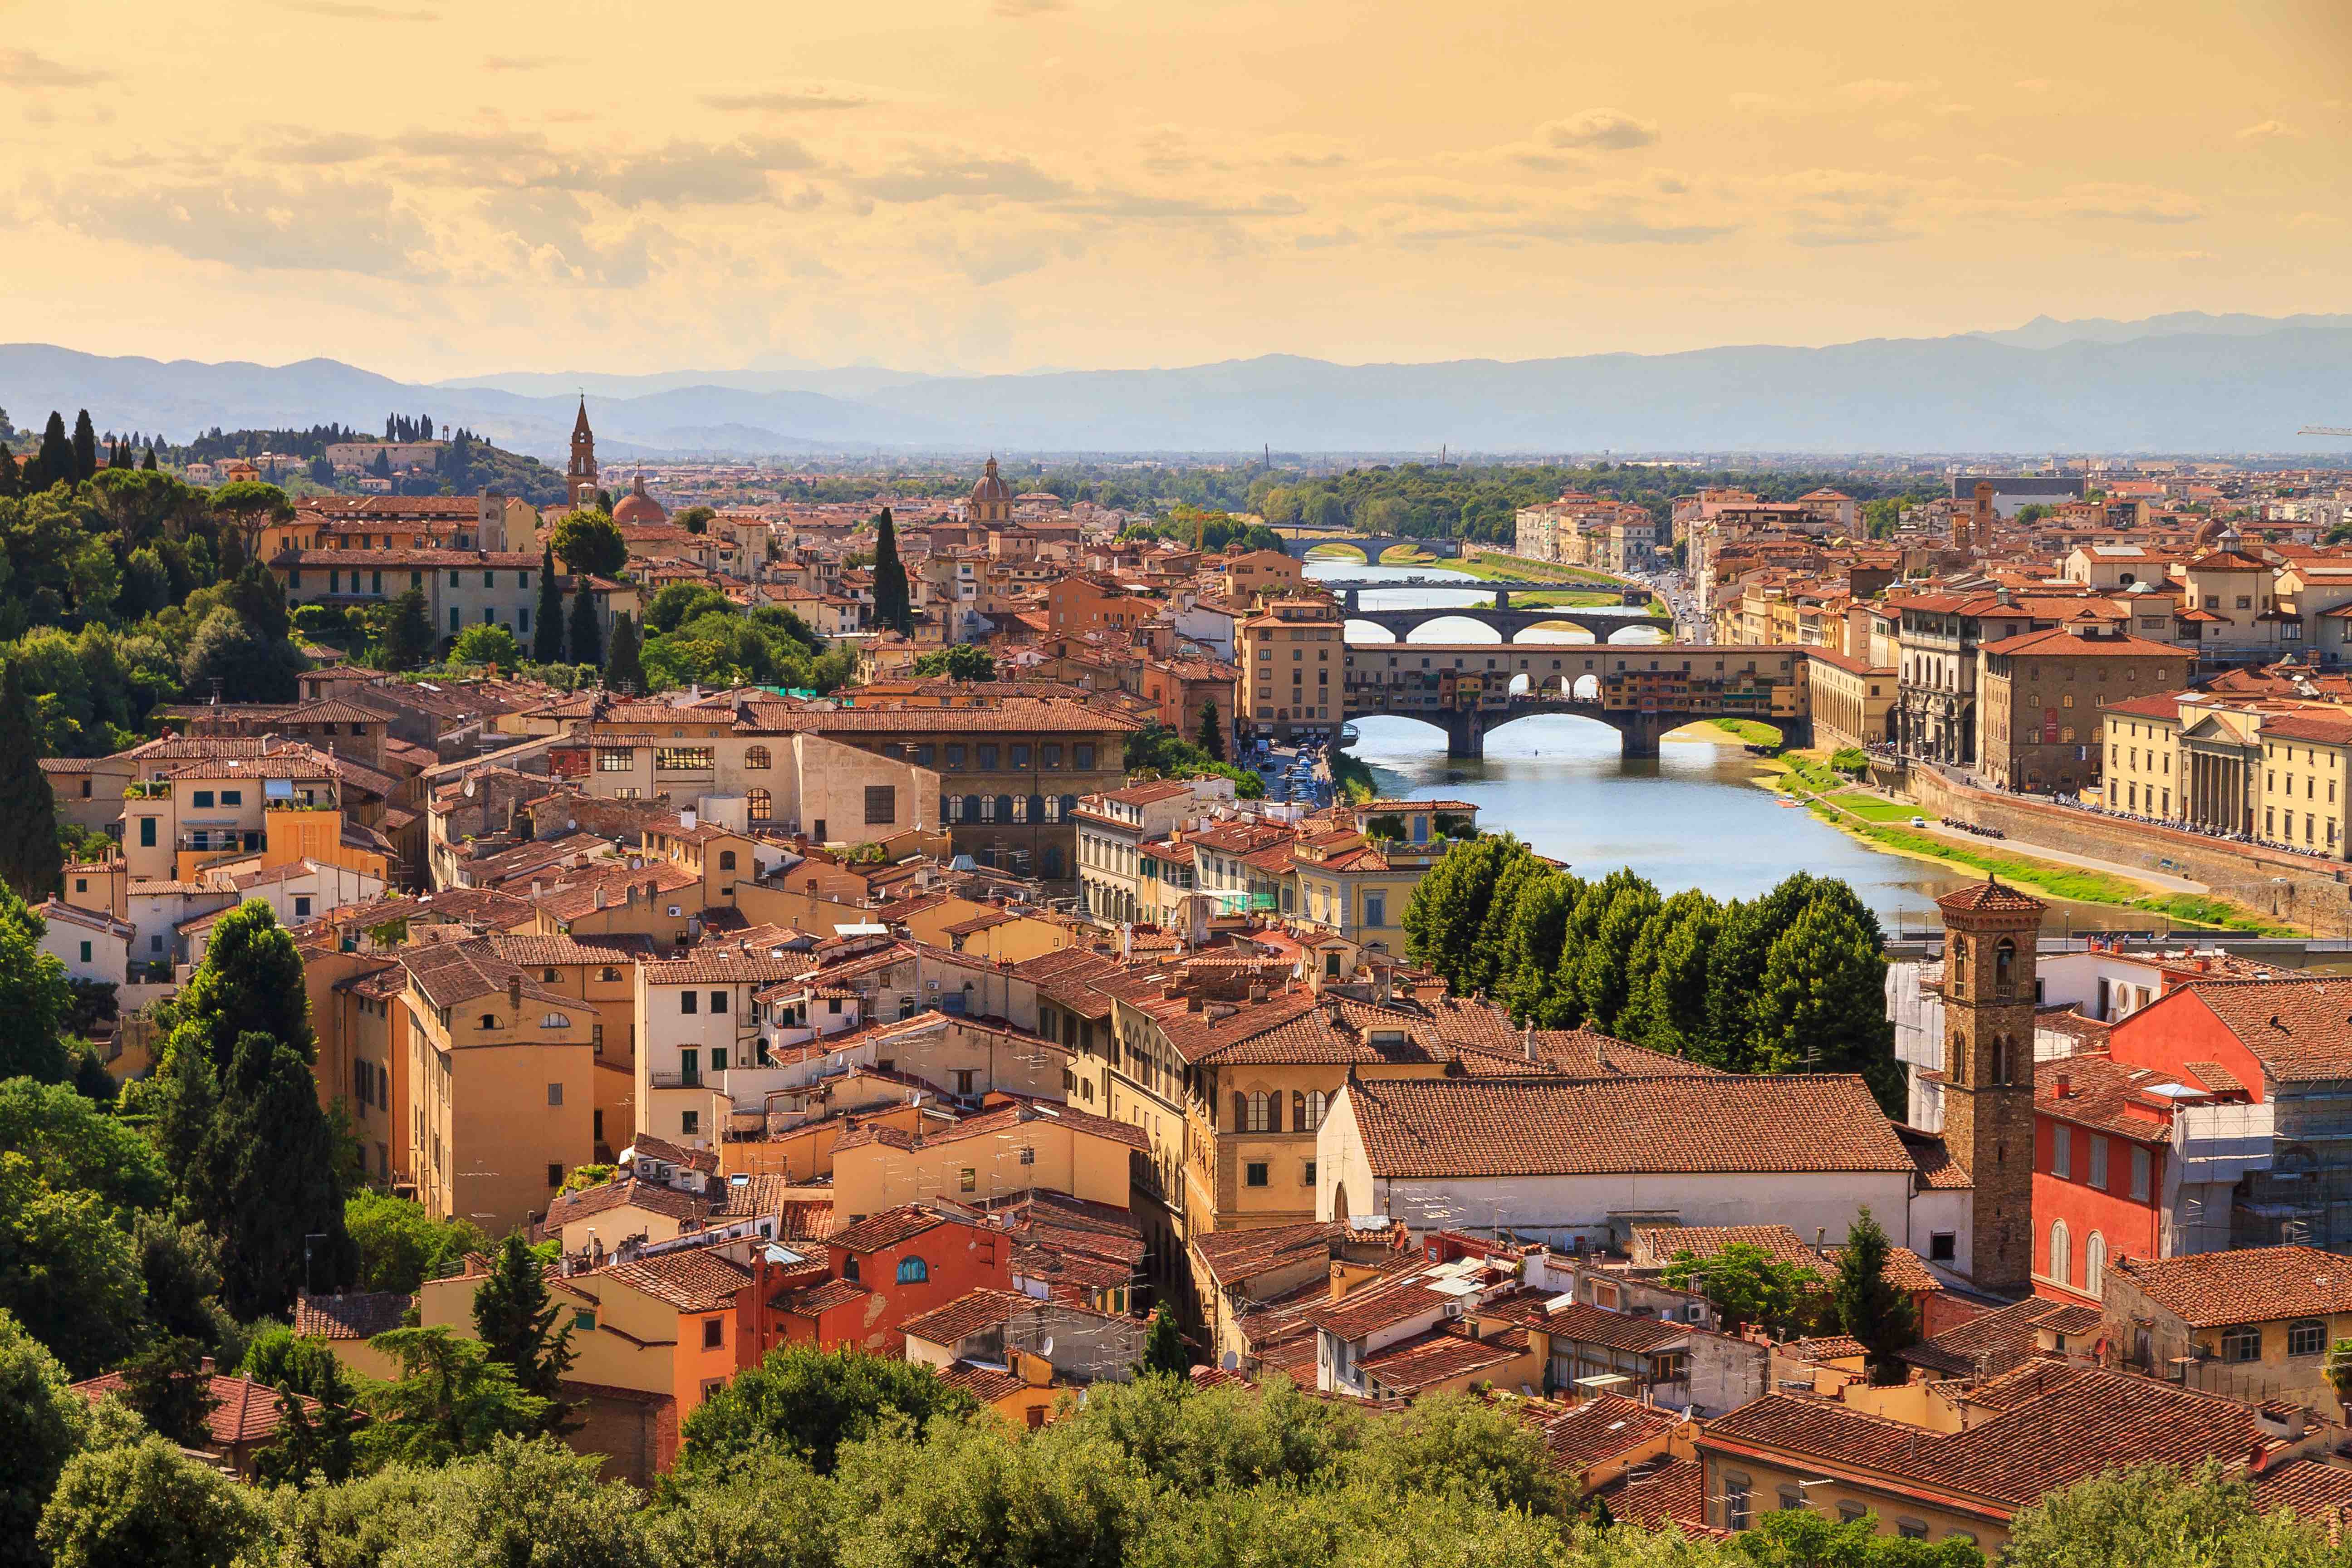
{"x": 1045, "y": 1346}
{"x": 469, "y": 789}
{"x": 1230, "y": 1361}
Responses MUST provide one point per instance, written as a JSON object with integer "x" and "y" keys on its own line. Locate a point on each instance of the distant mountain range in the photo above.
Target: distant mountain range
{"x": 2183, "y": 383}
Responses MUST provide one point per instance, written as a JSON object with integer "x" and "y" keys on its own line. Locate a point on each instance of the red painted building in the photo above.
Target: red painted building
{"x": 2102, "y": 1132}
{"x": 885, "y": 1270}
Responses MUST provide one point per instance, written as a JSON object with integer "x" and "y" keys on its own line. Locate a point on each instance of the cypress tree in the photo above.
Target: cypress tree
{"x": 625, "y": 671}
{"x": 9, "y": 478}
{"x": 85, "y": 448}
{"x": 1164, "y": 1354}
{"x": 150, "y": 464}
{"x": 268, "y": 1179}
{"x": 30, "y": 860}
{"x": 1212, "y": 734}
{"x": 516, "y": 1320}
{"x": 1870, "y": 1306}
{"x": 587, "y": 643}
{"x": 408, "y": 632}
{"x": 547, "y": 621}
{"x": 56, "y": 455}
{"x": 894, "y": 606}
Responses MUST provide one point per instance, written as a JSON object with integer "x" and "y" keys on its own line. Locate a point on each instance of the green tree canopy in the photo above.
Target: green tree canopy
{"x": 43, "y": 1420}
{"x": 147, "y": 1505}
{"x": 589, "y": 542}
{"x": 401, "y": 1245}
{"x": 624, "y": 670}
{"x": 67, "y": 1271}
{"x": 958, "y": 661}
{"x": 36, "y": 998}
{"x": 585, "y": 639}
{"x": 516, "y": 1319}
{"x": 547, "y": 618}
{"x": 487, "y": 642}
{"x": 450, "y": 1400}
{"x": 894, "y": 604}
{"x": 810, "y": 1402}
{"x": 1748, "y": 1285}
{"x": 31, "y": 865}
{"x": 1871, "y": 1307}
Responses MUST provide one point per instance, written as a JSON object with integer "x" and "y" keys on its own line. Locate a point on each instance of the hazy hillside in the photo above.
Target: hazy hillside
{"x": 2188, "y": 383}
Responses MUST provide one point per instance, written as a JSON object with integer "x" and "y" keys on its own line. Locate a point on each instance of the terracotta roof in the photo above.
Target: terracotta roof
{"x": 244, "y": 1410}
{"x": 821, "y": 1299}
{"x": 1233, "y": 1256}
{"x": 1546, "y": 1126}
{"x": 1991, "y": 895}
{"x": 1441, "y": 1355}
{"x": 973, "y": 1312}
{"x": 985, "y": 1384}
{"x": 623, "y": 1191}
{"x": 2313, "y": 1489}
{"x": 1591, "y": 1325}
{"x": 998, "y": 1123}
{"x": 695, "y": 1280}
{"x": 2251, "y": 1285}
{"x": 890, "y": 1227}
{"x": 1599, "y": 1428}
{"x": 2050, "y": 1425}
{"x": 1674, "y": 1494}
{"x": 1663, "y": 1243}
{"x": 2296, "y": 1028}
{"x": 2107, "y": 1096}
{"x": 362, "y": 1315}
{"x": 1989, "y": 1344}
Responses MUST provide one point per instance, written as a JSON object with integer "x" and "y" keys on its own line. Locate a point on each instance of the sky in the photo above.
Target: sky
{"x": 432, "y": 190}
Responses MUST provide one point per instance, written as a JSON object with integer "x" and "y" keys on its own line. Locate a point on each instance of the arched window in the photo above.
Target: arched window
{"x": 2094, "y": 1264}
{"x": 1999, "y": 1059}
{"x": 849, "y": 1269}
{"x": 1256, "y": 1120}
{"x": 913, "y": 1271}
{"x": 2062, "y": 1253}
{"x": 951, "y": 807}
{"x": 757, "y": 757}
{"x": 554, "y": 1021}
{"x": 1069, "y": 804}
{"x": 727, "y": 860}
{"x": 2306, "y": 1336}
{"x": 988, "y": 808}
{"x": 1956, "y": 1068}
{"x": 763, "y": 806}
{"x": 2004, "y": 967}
{"x": 489, "y": 1020}
{"x": 1037, "y": 808}
{"x": 1959, "y": 959}
{"x": 1311, "y": 1114}
{"x": 1020, "y": 809}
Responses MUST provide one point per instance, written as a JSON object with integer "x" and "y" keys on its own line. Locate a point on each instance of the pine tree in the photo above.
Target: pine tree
{"x": 1164, "y": 1354}
{"x": 515, "y": 1317}
{"x": 167, "y": 1386}
{"x": 1870, "y": 1306}
{"x": 894, "y": 606}
{"x": 10, "y": 479}
{"x": 31, "y": 862}
{"x": 1603, "y": 972}
{"x": 624, "y": 670}
{"x": 269, "y": 1181}
{"x": 1447, "y": 914}
{"x": 1665, "y": 1008}
{"x": 310, "y": 1444}
{"x": 1212, "y": 738}
{"x": 1531, "y": 944}
{"x": 1485, "y": 971}
{"x": 85, "y": 448}
{"x": 587, "y": 642}
{"x": 547, "y": 621}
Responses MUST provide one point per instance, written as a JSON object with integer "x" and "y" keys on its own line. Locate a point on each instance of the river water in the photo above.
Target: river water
{"x": 1691, "y": 818}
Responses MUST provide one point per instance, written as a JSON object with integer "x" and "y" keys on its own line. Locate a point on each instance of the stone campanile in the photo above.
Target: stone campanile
{"x": 1988, "y": 996}
{"x": 580, "y": 475}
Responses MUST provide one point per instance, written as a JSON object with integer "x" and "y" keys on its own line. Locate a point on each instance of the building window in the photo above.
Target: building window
{"x": 881, "y": 805}
{"x": 2062, "y": 1154}
{"x": 615, "y": 759}
{"x": 718, "y": 1003}
{"x": 682, "y": 759}
{"x": 2242, "y": 1342}
{"x": 1792, "y": 1498}
{"x": 1911, "y": 1529}
{"x": 968, "y": 1180}
{"x": 1310, "y": 1111}
{"x": 688, "y": 1001}
{"x": 913, "y": 1271}
{"x": 2142, "y": 1170}
{"x": 689, "y": 1122}
{"x": 714, "y": 1333}
{"x": 2098, "y": 1162}
{"x": 757, "y": 757}
{"x": 1257, "y": 1117}
{"x": 2094, "y": 1264}
{"x": 1738, "y": 1512}
{"x": 554, "y": 1094}
{"x": 1306, "y": 1172}
{"x": 2307, "y": 1337}
{"x": 554, "y": 1175}
{"x": 1255, "y": 1173}
{"x": 763, "y": 806}
{"x": 2061, "y": 1252}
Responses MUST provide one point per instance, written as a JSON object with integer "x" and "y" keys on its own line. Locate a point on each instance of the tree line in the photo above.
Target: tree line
{"x": 1789, "y": 982}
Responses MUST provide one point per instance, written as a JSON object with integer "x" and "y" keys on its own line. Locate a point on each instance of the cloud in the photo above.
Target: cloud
{"x": 1328, "y": 240}
{"x": 264, "y": 225}
{"x": 2133, "y": 204}
{"x": 782, "y": 102}
{"x": 2268, "y": 130}
{"x": 1879, "y": 90}
{"x": 1600, "y": 129}
{"x": 994, "y": 260}
{"x": 931, "y": 177}
{"x": 689, "y": 173}
{"x": 517, "y": 62}
{"x": 24, "y": 68}
{"x": 349, "y": 11}
{"x": 553, "y": 234}
{"x": 345, "y": 147}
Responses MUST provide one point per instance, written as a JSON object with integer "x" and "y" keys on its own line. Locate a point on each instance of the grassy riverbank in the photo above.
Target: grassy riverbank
{"x": 1351, "y": 778}
{"x": 1886, "y": 824}
{"x": 1743, "y": 732}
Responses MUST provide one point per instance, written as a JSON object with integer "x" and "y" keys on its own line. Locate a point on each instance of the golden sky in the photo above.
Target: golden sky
{"x": 433, "y": 189}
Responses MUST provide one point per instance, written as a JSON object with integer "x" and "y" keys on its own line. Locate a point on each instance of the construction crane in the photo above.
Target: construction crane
{"x": 2322, "y": 430}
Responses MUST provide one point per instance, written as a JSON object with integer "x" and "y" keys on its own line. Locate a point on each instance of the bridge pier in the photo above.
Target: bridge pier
{"x": 1465, "y": 732}
{"x": 1642, "y": 732}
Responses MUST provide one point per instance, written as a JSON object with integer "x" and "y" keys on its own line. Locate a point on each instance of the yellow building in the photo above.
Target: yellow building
{"x": 1293, "y": 661}
{"x": 2274, "y": 770}
{"x": 999, "y": 1153}
{"x": 502, "y": 1087}
{"x": 251, "y": 812}
{"x": 1356, "y": 883}
{"x": 1853, "y": 699}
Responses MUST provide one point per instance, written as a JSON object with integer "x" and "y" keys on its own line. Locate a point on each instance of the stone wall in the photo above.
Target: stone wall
{"x": 2315, "y": 893}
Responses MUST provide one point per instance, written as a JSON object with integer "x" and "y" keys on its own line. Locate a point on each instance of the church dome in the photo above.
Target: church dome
{"x": 639, "y": 507}
{"x": 990, "y": 488}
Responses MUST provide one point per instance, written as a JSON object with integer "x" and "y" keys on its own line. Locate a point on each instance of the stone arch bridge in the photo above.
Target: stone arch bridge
{"x": 1297, "y": 546}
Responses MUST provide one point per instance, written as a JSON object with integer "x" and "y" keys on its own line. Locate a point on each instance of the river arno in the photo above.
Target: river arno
{"x": 1692, "y": 818}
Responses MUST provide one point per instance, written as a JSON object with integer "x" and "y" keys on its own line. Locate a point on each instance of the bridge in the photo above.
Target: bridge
{"x": 1298, "y": 546}
{"x": 1502, "y": 589}
{"x": 1641, "y": 691}
{"x": 1601, "y": 621}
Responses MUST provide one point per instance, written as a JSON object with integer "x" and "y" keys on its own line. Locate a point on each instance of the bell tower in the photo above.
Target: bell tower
{"x": 580, "y": 475}
{"x": 1989, "y": 932}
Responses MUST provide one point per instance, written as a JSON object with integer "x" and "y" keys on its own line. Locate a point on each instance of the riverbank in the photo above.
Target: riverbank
{"x": 1885, "y": 825}
{"x": 1732, "y": 731}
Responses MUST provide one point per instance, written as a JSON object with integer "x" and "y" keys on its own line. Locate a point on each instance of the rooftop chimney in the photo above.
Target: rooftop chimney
{"x": 514, "y": 995}
{"x": 2062, "y": 1087}
{"x": 599, "y": 895}
{"x": 686, "y": 820}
